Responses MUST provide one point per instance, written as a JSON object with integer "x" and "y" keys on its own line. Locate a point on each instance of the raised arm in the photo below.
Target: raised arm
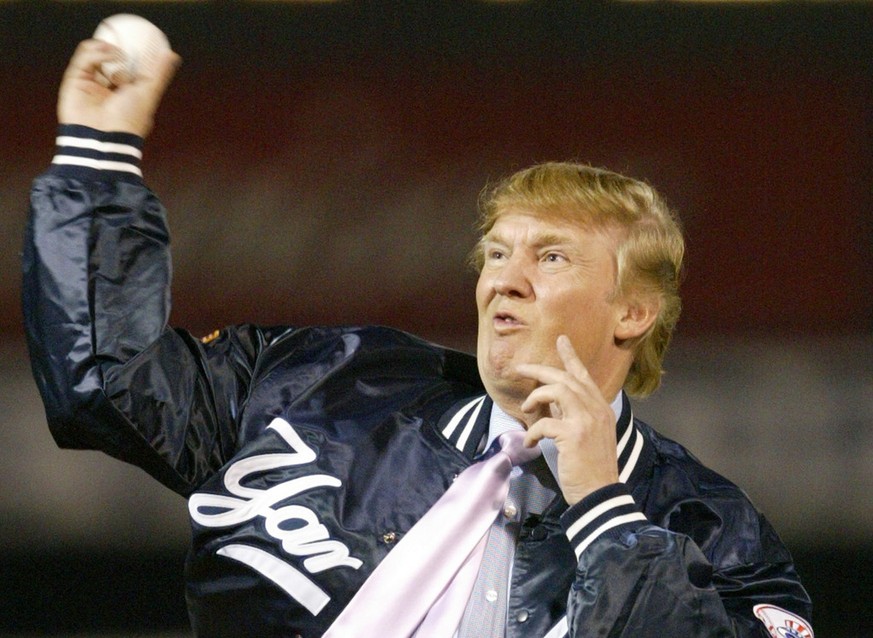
{"x": 96, "y": 292}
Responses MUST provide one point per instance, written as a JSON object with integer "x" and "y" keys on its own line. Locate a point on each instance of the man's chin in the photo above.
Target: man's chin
{"x": 508, "y": 387}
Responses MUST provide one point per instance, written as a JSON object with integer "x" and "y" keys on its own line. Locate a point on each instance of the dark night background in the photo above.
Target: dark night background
{"x": 321, "y": 163}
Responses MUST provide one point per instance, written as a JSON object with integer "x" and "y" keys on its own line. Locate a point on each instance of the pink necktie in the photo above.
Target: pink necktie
{"x": 435, "y": 564}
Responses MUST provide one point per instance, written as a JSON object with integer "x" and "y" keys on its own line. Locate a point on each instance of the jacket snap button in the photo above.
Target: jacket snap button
{"x": 389, "y": 537}
{"x": 522, "y": 616}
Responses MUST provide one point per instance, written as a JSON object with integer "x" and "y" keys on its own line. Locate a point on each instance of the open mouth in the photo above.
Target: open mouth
{"x": 506, "y": 319}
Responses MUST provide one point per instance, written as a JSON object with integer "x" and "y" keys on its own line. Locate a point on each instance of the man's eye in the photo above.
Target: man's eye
{"x": 554, "y": 257}
{"x": 495, "y": 254}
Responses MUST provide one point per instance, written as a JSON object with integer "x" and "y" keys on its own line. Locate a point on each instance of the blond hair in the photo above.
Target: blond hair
{"x": 648, "y": 255}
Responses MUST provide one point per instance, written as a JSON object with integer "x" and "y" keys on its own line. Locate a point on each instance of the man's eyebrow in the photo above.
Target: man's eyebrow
{"x": 539, "y": 240}
{"x": 552, "y": 239}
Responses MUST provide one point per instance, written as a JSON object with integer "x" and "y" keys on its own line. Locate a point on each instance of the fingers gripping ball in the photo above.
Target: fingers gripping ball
{"x": 140, "y": 42}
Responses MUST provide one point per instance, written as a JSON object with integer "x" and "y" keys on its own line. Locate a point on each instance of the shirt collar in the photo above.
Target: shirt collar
{"x": 479, "y": 421}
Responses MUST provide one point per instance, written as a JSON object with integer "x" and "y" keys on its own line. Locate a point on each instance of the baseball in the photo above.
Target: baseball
{"x": 140, "y": 41}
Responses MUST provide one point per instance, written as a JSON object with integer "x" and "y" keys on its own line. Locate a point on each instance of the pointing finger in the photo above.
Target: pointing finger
{"x": 572, "y": 363}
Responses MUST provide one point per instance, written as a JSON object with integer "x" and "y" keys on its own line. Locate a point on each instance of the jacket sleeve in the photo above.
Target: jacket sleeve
{"x": 637, "y": 579}
{"x": 96, "y": 276}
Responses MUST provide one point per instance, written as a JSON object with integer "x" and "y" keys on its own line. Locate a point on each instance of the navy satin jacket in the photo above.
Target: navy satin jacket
{"x": 307, "y": 453}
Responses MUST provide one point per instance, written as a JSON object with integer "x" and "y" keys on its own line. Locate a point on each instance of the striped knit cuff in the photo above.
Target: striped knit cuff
{"x": 84, "y": 152}
{"x": 608, "y": 512}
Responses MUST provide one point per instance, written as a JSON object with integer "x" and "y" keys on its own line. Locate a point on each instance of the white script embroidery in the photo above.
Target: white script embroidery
{"x": 306, "y": 537}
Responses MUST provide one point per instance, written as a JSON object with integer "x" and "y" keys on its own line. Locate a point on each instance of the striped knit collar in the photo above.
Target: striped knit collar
{"x": 468, "y": 423}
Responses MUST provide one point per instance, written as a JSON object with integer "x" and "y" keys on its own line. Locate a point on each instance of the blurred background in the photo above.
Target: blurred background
{"x": 321, "y": 162}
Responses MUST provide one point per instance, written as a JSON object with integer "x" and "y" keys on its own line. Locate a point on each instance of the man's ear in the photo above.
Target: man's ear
{"x": 638, "y": 314}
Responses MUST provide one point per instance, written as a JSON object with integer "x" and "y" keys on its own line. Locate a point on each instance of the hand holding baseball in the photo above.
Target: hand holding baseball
{"x": 117, "y": 86}
{"x": 140, "y": 45}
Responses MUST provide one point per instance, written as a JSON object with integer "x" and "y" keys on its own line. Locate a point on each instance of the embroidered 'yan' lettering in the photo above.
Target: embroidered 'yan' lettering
{"x": 295, "y": 526}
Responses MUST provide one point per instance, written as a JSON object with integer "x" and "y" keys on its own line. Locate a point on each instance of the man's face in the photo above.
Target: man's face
{"x": 542, "y": 278}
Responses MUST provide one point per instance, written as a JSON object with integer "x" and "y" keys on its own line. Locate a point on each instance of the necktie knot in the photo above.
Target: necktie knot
{"x": 512, "y": 443}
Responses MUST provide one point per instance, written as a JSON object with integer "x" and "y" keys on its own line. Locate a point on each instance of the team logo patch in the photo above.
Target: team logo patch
{"x": 782, "y": 624}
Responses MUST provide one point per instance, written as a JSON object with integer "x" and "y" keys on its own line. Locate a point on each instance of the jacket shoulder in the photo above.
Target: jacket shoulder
{"x": 687, "y": 497}
{"x": 375, "y": 348}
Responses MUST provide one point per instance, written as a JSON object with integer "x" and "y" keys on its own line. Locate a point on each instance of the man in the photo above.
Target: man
{"x": 308, "y": 454}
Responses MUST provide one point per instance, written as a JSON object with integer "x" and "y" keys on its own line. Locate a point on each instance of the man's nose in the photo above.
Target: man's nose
{"x": 513, "y": 279}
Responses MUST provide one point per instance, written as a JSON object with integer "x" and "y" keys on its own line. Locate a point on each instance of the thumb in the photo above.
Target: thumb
{"x": 149, "y": 88}
{"x": 163, "y": 70}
